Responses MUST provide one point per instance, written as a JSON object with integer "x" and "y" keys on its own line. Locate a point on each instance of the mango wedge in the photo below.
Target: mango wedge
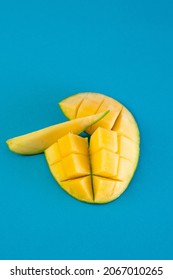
{"x": 36, "y": 142}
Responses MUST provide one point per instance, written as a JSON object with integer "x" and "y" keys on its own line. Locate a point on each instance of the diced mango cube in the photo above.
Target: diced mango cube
{"x": 106, "y": 189}
{"x": 53, "y": 153}
{"x": 128, "y": 148}
{"x": 119, "y": 188}
{"x": 75, "y": 165}
{"x": 89, "y": 105}
{"x": 71, "y": 104}
{"x": 124, "y": 169}
{"x": 109, "y": 120}
{"x": 103, "y": 138}
{"x": 81, "y": 188}
{"x": 103, "y": 188}
{"x": 72, "y": 143}
{"x": 58, "y": 171}
{"x": 126, "y": 125}
{"x": 104, "y": 163}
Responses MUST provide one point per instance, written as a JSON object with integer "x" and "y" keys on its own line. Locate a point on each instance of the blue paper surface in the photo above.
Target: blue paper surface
{"x": 48, "y": 51}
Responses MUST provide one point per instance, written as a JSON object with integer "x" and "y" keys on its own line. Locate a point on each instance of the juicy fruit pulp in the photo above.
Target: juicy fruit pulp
{"x": 36, "y": 142}
{"x": 97, "y": 172}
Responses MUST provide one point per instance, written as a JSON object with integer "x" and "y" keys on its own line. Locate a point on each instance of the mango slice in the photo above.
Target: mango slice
{"x": 36, "y": 142}
{"x": 94, "y": 172}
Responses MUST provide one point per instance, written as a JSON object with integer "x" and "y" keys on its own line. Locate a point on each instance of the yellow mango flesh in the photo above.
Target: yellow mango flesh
{"x": 94, "y": 173}
{"x": 79, "y": 188}
{"x": 104, "y": 163}
{"x": 119, "y": 118}
{"x": 104, "y": 138}
{"x": 89, "y": 105}
{"x": 128, "y": 149}
{"x": 106, "y": 190}
{"x": 36, "y": 142}
{"x": 126, "y": 125}
{"x": 92, "y": 103}
{"x": 71, "y": 166}
{"x": 70, "y": 106}
{"x": 73, "y": 144}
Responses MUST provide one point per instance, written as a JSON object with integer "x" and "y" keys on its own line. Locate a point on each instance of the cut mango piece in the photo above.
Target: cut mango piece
{"x": 72, "y": 162}
{"x": 89, "y": 105}
{"x": 109, "y": 121}
{"x": 103, "y": 138}
{"x": 73, "y": 144}
{"x": 80, "y": 188}
{"x": 128, "y": 149}
{"x": 103, "y": 189}
{"x": 75, "y": 165}
{"x": 70, "y": 167}
{"x": 57, "y": 169}
{"x": 120, "y": 187}
{"x": 106, "y": 190}
{"x": 72, "y": 170}
{"x": 92, "y": 103}
{"x": 125, "y": 169}
{"x": 70, "y": 106}
{"x": 126, "y": 125}
{"x": 104, "y": 163}
{"x": 36, "y": 142}
{"x": 99, "y": 173}
{"x": 53, "y": 154}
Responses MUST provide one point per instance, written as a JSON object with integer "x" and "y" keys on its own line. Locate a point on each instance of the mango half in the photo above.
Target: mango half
{"x": 95, "y": 171}
{"x": 104, "y": 173}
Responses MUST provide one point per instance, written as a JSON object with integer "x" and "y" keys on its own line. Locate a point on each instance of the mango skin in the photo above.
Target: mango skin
{"x": 36, "y": 142}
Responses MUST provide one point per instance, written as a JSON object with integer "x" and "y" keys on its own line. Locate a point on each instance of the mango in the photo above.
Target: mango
{"x": 95, "y": 171}
{"x": 36, "y": 142}
{"x": 114, "y": 143}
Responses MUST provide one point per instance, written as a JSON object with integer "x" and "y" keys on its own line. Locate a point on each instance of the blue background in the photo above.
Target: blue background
{"x": 48, "y": 51}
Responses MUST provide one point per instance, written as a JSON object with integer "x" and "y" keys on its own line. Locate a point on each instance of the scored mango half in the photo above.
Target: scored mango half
{"x": 100, "y": 170}
{"x": 95, "y": 171}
